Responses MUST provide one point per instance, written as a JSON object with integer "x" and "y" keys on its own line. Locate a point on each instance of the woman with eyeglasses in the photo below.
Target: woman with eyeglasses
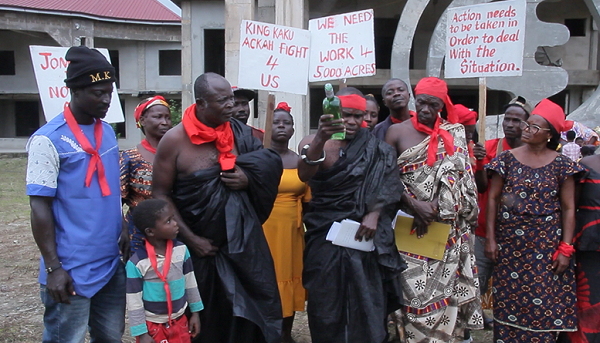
{"x": 530, "y": 224}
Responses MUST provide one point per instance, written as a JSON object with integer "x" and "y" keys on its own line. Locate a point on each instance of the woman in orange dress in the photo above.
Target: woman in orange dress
{"x": 284, "y": 230}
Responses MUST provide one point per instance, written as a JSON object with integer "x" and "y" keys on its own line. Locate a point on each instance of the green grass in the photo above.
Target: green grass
{"x": 14, "y": 203}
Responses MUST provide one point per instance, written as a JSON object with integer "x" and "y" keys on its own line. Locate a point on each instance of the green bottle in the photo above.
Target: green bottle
{"x": 332, "y": 105}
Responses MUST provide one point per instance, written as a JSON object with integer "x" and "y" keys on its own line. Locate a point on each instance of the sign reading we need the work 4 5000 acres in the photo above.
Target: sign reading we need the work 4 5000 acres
{"x": 485, "y": 40}
{"x": 342, "y": 46}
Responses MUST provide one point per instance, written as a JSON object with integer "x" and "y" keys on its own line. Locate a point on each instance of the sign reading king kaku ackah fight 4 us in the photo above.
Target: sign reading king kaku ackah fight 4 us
{"x": 50, "y": 68}
{"x": 485, "y": 40}
{"x": 342, "y": 46}
{"x": 273, "y": 57}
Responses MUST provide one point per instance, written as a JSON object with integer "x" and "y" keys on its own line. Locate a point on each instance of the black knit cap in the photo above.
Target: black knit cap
{"x": 87, "y": 67}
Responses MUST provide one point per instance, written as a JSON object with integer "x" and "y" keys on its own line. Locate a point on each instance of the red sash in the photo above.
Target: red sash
{"x": 95, "y": 160}
{"x": 222, "y": 135}
{"x": 148, "y": 147}
{"x": 166, "y": 266}
{"x": 433, "y": 143}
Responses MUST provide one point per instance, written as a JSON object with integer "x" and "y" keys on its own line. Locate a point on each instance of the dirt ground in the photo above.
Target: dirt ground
{"x": 20, "y": 307}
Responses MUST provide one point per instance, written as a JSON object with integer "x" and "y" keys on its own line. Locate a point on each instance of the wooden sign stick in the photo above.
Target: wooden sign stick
{"x": 482, "y": 109}
{"x": 343, "y": 83}
{"x": 269, "y": 121}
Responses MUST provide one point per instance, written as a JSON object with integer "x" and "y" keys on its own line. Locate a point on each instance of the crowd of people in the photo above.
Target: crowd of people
{"x": 223, "y": 240}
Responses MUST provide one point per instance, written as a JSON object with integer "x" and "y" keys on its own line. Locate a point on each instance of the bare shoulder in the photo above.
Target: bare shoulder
{"x": 173, "y": 136}
{"x": 170, "y": 145}
{"x": 306, "y": 140}
{"x": 396, "y": 131}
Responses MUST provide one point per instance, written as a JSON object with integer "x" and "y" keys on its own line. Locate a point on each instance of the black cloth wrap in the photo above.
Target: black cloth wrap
{"x": 238, "y": 284}
{"x": 351, "y": 292}
{"x": 87, "y": 67}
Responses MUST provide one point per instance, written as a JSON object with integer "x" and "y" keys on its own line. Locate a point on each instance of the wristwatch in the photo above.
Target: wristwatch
{"x": 309, "y": 162}
{"x": 51, "y": 269}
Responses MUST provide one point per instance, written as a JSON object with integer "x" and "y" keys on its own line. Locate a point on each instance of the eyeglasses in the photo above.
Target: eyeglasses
{"x": 532, "y": 128}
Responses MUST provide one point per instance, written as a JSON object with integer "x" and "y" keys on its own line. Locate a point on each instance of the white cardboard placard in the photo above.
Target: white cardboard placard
{"x": 485, "y": 40}
{"x": 50, "y": 69}
{"x": 342, "y": 46}
{"x": 273, "y": 57}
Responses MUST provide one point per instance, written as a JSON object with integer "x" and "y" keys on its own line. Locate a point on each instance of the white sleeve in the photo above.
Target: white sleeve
{"x": 43, "y": 162}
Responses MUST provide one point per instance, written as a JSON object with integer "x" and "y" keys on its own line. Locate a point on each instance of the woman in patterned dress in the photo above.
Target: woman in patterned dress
{"x": 530, "y": 226}
{"x": 153, "y": 117}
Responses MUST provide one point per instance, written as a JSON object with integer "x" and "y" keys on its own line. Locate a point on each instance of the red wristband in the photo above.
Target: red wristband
{"x": 565, "y": 249}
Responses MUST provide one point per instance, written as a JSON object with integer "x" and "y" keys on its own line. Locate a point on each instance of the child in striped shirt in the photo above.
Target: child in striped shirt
{"x": 160, "y": 280}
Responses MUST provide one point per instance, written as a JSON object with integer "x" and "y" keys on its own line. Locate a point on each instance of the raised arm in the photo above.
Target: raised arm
{"x": 163, "y": 177}
{"x": 327, "y": 127}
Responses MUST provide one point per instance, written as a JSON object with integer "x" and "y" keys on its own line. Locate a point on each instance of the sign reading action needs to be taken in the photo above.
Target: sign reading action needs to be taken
{"x": 485, "y": 40}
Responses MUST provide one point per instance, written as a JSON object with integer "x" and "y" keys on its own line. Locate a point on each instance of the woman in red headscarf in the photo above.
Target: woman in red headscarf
{"x": 153, "y": 117}
{"x": 530, "y": 226}
{"x": 284, "y": 230}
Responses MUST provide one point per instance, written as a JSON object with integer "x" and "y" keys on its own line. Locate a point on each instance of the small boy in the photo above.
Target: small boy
{"x": 156, "y": 308}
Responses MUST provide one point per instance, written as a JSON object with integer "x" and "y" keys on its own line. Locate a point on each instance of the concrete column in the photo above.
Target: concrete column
{"x": 187, "y": 79}
{"x": 235, "y": 12}
{"x": 294, "y": 13}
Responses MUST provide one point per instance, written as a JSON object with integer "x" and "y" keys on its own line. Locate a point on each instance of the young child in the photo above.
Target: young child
{"x": 156, "y": 308}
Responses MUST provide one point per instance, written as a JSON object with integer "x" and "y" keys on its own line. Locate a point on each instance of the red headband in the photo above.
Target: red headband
{"x": 139, "y": 110}
{"x": 554, "y": 114}
{"x": 465, "y": 115}
{"x": 437, "y": 88}
{"x": 283, "y": 106}
{"x": 354, "y": 101}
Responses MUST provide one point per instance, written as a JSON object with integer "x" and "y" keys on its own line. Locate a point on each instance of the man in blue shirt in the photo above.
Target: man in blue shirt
{"x": 76, "y": 218}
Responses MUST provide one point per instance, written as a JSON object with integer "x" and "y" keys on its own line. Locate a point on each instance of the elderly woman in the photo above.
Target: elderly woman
{"x": 530, "y": 225}
{"x": 153, "y": 117}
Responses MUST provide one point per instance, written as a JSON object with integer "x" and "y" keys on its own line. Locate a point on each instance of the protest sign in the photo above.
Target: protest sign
{"x": 485, "y": 40}
{"x": 50, "y": 68}
{"x": 342, "y": 46}
{"x": 273, "y": 57}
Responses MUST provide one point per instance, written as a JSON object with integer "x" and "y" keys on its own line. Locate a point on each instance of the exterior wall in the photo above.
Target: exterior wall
{"x": 138, "y": 46}
{"x": 23, "y": 82}
{"x": 576, "y": 53}
{"x": 153, "y": 79}
{"x": 206, "y": 15}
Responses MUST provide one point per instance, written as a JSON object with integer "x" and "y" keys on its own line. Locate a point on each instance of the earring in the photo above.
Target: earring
{"x": 548, "y": 139}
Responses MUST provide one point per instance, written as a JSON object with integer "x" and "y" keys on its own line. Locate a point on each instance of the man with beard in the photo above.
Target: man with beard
{"x": 76, "y": 219}
{"x": 350, "y": 292}
{"x": 223, "y": 185}
{"x": 440, "y": 298}
{"x": 395, "y": 97}
{"x": 241, "y": 109}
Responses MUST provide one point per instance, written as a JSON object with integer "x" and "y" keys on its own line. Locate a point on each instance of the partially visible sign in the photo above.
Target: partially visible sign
{"x": 273, "y": 57}
{"x": 485, "y": 40}
{"x": 342, "y": 46}
{"x": 50, "y": 68}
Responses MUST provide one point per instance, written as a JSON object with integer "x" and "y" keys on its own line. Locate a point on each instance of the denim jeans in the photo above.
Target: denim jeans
{"x": 103, "y": 314}
{"x": 485, "y": 266}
